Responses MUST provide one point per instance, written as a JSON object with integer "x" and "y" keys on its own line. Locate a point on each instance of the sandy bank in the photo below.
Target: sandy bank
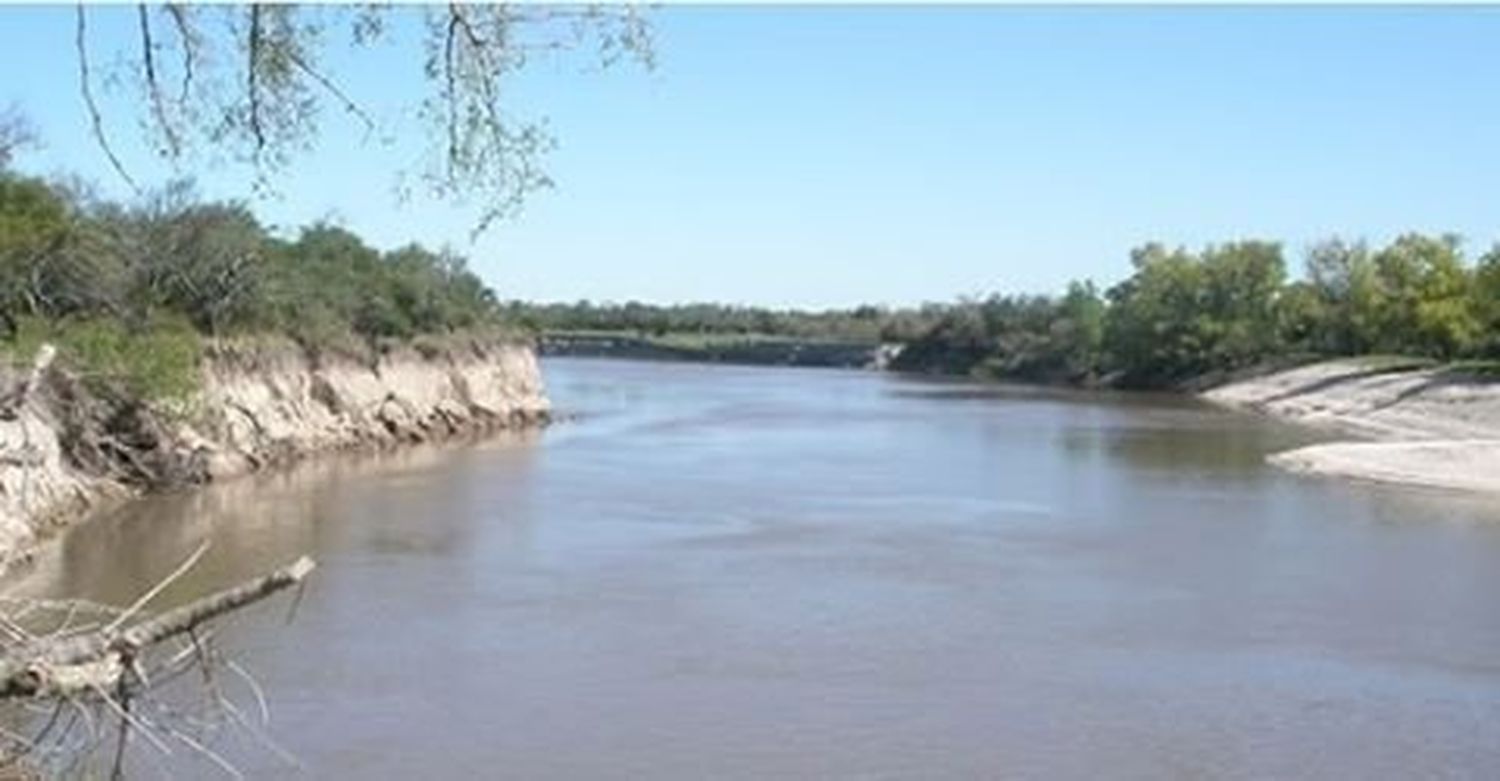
{"x": 65, "y": 450}
{"x": 1425, "y": 427}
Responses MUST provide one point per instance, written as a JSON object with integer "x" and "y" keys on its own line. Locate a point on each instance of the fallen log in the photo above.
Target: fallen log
{"x": 96, "y": 660}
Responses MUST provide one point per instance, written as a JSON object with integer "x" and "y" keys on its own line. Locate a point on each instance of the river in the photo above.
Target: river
{"x": 719, "y": 572}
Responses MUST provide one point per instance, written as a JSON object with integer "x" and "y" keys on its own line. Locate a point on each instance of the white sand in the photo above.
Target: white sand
{"x": 1419, "y": 427}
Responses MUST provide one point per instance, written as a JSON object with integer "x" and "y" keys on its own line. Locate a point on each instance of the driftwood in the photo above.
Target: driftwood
{"x": 97, "y": 660}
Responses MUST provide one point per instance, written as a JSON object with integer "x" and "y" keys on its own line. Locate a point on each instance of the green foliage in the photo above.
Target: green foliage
{"x": 1179, "y": 316}
{"x": 1182, "y": 315}
{"x": 1080, "y": 328}
{"x": 156, "y": 363}
{"x": 1020, "y": 337}
{"x": 1392, "y": 364}
{"x": 206, "y": 261}
{"x": 1345, "y": 316}
{"x": 125, "y": 292}
{"x": 34, "y": 228}
{"x": 1483, "y": 369}
{"x": 217, "y": 266}
{"x": 861, "y": 324}
{"x": 1427, "y": 306}
{"x": 1485, "y": 300}
{"x": 329, "y": 282}
{"x": 1414, "y": 296}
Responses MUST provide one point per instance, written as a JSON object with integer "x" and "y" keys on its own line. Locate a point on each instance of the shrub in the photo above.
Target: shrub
{"x": 157, "y": 362}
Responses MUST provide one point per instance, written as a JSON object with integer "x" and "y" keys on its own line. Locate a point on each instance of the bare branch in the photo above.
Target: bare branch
{"x": 153, "y": 87}
{"x": 334, "y": 90}
{"x": 85, "y": 85}
{"x": 252, "y": 75}
{"x": 57, "y": 666}
{"x": 450, "y": 90}
{"x": 270, "y": 112}
{"x": 156, "y": 590}
{"x": 188, "y": 37}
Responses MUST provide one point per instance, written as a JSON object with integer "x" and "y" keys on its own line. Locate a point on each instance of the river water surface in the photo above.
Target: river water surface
{"x": 721, "y": 572}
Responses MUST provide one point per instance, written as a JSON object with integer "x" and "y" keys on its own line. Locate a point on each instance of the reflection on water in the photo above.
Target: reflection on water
{"x": 265, "y": 520}
{"x": 744, "y": 572}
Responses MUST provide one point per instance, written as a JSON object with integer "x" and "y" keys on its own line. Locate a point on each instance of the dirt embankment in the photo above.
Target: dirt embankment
{"x": 66, "y": 448}
{"x": 1429, "y": 427}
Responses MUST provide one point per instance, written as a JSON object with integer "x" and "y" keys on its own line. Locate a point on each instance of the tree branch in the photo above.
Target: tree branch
{"x": 153, "y": 88}
{"x": 56, "y": 667}
{"x": 252, "y": 75}
{"x": 334, "y": 90}
{"x": 189, "y": 41}
{"x": 80, "y": 42}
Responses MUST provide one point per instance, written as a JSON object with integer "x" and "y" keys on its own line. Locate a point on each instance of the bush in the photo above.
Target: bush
{"x": 156, "y": 363}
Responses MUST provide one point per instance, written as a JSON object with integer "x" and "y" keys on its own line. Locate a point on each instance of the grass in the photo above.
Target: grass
{"x": 1395, "y": 363}
{"x": 1482, "y": 369}
{"x": 155, "y": 363}
{"x": 160, "y": 361}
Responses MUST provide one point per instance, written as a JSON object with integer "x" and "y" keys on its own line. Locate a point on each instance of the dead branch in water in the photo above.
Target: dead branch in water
{"x": 93, "y": 664}
{"x": 62, "y": 667}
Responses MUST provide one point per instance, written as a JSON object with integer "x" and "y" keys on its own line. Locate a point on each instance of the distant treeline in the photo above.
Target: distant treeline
{"x": 128, "y": 289}
{"x": 861, "y": 324}
{"x": 1181, "y": 315}
{"x": 132, "y": 287}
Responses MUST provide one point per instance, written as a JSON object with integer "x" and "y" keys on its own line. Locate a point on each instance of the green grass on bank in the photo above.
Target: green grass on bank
{"x": 1486, "y": 370}
{"x": 1482, "y": 369}
{"x": 1395, "y": 363}
{"x": 158, "y": 362}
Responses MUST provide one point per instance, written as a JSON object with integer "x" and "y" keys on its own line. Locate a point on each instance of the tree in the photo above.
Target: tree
{"x": 1350, "y": 298}
{"x": 1078, "y": 330}
{"x": 214, "y": 265}
{"x": 1181, "y": 315}
{"x": 48, "y": 268}
{"x": 1427, "y": 308}
{"x": 1305, "y": 319}
{"x": 1151, "y": 332}
{"x": 1486, "y": 302}
{"x": 955, "y": 342}
{"x": 1243, "y": 282}
{"x": 253, "y": 82}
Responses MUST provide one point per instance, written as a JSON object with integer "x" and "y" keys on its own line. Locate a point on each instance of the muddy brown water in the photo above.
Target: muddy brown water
{"x": 720, "y": 572}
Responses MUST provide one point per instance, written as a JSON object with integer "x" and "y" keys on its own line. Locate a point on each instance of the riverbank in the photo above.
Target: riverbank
{"x": 1431, "y": 427}
{"x": 68, "y": 449}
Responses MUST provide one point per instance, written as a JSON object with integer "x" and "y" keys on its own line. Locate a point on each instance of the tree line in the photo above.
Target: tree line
{"x": 1182, "y": 315}
{"x": 129, "y": 289}
{"x": 107, "y": 273}
{"x": 858, "y": 324}
{"x": 65, "y": 255}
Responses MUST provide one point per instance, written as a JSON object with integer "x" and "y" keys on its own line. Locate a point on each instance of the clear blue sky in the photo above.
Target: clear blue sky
{"x": 814, "y": 157}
